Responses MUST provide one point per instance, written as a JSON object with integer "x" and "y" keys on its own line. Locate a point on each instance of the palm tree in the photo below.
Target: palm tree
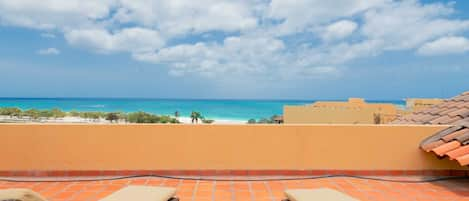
{"x": 195, "y": 116}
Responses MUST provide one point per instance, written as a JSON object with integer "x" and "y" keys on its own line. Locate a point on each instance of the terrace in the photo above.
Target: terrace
{"x": 197, "y": 190}
{"x": 229, "y": 153}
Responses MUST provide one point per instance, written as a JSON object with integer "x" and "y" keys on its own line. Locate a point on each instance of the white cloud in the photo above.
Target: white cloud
{"x": 445, "y": 45}
{"x": 48, "y": 51}
{"x": 339, "y": 30}
{"x": 394, "y": 26}
{"x": 53, "y": 14}
{"x": 47, "y": 35}
{"x": 126, "y": 40}
{"x": 185, "y": 16}
{"x": 236, "y": 55}
{"x": 408, "y": 24}
{"x": 276, "y": 38}
{"x": 298, "y": 16}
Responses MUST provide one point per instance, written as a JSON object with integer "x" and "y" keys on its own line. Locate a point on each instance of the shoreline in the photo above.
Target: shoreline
{"x": 187, "y": 120}
{"x": 79, "y": 120}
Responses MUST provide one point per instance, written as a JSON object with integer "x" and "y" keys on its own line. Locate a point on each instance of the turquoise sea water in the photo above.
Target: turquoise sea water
{"x": 214, "y": 109}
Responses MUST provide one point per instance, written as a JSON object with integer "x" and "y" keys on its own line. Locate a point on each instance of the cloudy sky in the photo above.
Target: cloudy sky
{"x": 256, "y": 49}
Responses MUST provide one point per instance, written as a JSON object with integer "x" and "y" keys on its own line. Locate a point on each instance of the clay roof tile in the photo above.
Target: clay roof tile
{"x": 466, "y": 104}
{"x": 450, "y": 111}
{"x": 434, "y": 110}
{"x": 463, "y": 160}
{"x": 459, "y": 112}
{"x": 445, "y": 104}
{"x": 452, "y": 136}
{"x": 428, "y": 118}
{"x": 459, "y": 104}
{"x": 428, "y": 147}
{"x": 461, "y": 97}
{"x": 447, "y": 147}
{"x": 457, "y": 98}
{"x": 463, "y": 139}
{"x": 453, "y": 119}
{"x": 440, "y": 120}
{"x": 445, "y": 112}
{"x": 464, "y": 114}
{"x": 461, "y": 151}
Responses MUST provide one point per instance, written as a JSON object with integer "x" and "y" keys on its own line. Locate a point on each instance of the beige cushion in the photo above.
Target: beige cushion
{"x": 141, "y": 193}
{"x": 20, "y": 194}
{"x": 320, "y": 194}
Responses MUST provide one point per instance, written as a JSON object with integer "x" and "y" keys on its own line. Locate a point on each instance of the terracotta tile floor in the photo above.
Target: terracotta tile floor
{"x": 188, "y": 190}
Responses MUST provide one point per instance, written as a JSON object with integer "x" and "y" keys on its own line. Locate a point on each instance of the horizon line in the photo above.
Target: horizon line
{"x": 202, "y": 99}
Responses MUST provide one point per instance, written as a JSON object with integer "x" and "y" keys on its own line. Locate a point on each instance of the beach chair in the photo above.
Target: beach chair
{"x": 20, "y": 194}
{"x": 143, "y": 193}
{"x": 320, "y": 194}
{"x": 140, "y": 193}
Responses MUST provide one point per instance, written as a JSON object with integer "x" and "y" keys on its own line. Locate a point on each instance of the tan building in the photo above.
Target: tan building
{"x": 354, "y": 111}
{"x": 416, "y": 104}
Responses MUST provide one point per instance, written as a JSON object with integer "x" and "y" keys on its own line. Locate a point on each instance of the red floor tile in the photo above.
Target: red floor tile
{"x": 254, "y": 190}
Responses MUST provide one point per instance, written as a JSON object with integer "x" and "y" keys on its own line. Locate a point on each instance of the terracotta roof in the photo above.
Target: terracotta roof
{"x": 452, "y": 142}
{"x": 451, "y": 111}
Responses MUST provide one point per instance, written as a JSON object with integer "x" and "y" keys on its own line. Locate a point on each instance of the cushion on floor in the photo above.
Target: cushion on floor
{"x": 141, "y": 193}
{"x": 320, "y": 194}
{"x": 20, "y": 194}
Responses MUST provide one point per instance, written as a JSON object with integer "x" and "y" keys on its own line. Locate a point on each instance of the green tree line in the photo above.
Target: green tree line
{"x": 133, "y": 117}
{"x": 270, "y": 120}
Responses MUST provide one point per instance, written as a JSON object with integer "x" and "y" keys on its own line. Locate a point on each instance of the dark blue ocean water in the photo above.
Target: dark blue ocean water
{"x": 216, "y": 109}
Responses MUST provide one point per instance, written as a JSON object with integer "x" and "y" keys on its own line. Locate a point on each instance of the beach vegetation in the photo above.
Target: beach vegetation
{"x": 166, "y": 119}
{"x": 174, "y": 121}
{"x": 195, "y": 116}
{"x": 10, "y": 111}
{"x": 57, "y": 113}
{"x": 207, "y": 121}
{"x": 252, "y": 121}
{"x": 143, "y": 117}
{"x": 94, "y": 116}
{"x": 264, "y": 121}
{"x": 271, "y": 120}
{"x": 112, "y": 116}
{"x": 32, "y": 113}
{"x": 74, "y": 113}
{"x": 134, "y": 117}
{"x": 122, "y": 115}
{"x": 45, "y": 113}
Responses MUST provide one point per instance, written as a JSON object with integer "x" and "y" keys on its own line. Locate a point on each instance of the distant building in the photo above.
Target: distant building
{"x": 354, "y": 111}
{"x": 416, "y": 104}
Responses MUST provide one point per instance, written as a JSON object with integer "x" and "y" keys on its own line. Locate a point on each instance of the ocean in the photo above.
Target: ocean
{"x": 212, "y": 109}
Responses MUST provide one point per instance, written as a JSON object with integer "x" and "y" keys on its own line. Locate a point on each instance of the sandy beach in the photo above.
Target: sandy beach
{"x": 68, "y": 119}
{"x": 187, "y": 120}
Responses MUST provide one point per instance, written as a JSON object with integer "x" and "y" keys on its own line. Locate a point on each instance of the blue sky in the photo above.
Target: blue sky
{"x": 258, "y": 49}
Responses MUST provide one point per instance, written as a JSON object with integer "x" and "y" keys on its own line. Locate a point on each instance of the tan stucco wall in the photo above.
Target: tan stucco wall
{"x": 355, "y": 111}
{"x": 124, "y": 147}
